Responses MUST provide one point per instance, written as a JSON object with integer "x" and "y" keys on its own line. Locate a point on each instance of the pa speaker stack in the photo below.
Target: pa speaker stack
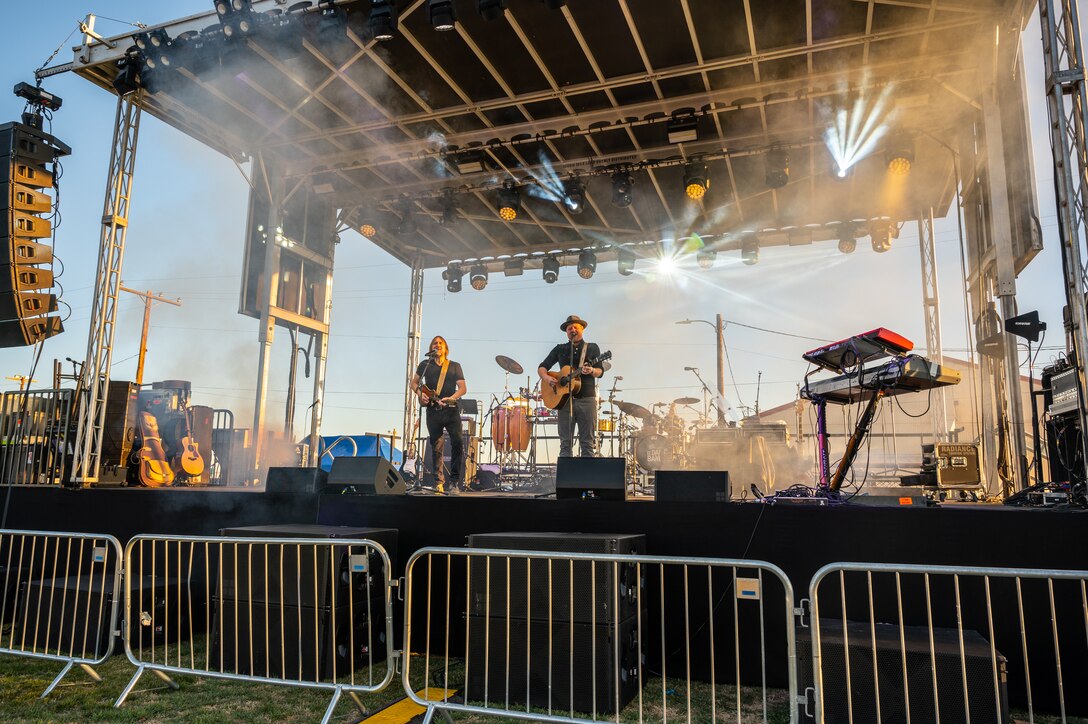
{"x": 291, "y": 612}
{"x": 575, "y": 629}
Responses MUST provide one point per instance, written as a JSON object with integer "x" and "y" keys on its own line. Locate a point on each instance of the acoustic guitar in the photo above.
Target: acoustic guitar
{"x": 567, "y": 384}
{"x": 189, "y": 458}
{"x": 155, "y": 471}
{"x": 431, "y": 395}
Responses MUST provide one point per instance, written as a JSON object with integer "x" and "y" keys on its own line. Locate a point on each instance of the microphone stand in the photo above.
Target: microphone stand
{"x": 570, "y": 401}
{"x": 612, "y": 415}
{"x": 706, "y": 393}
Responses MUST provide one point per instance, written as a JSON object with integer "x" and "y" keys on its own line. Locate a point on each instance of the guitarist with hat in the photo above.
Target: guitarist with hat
{"x": 439, "y": 383}
{"x": 581, "y": 408}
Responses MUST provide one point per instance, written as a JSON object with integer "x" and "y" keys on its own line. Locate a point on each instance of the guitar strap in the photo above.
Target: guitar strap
{"x": 442, "y": 379}
{"x": 582, "y": 360}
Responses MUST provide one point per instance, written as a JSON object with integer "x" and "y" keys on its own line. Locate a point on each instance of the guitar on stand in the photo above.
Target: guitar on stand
{"x": 188, "y": 458}
{"x": 568, "y": 382}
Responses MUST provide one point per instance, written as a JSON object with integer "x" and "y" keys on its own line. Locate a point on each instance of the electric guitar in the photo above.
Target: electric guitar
{"x": 189, "y": 458}
{"x": 432, "y": 397}
{"x": 567, "y": 383}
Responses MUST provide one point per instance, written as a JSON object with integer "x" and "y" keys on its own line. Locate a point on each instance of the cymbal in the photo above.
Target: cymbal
{"x": 509, "y": 365}
{"x": 685, "y": 400}
{"x": 631, "y": 408}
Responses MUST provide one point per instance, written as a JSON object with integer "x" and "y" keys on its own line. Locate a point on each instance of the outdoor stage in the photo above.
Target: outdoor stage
{"x": 798, "y": 538}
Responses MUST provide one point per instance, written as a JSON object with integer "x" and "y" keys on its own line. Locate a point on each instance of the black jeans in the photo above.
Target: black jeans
{"x": 441, "y": 420}
{"x": 585, "y": 417}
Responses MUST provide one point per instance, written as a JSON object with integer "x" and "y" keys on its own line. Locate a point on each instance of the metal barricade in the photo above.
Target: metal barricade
{"x": 35, "y": 436}
{"x": 893, "y": 643}
{"x": 304, "y": 612}
{"x": 575, "y": 637}
{"x": 59, "y": 599}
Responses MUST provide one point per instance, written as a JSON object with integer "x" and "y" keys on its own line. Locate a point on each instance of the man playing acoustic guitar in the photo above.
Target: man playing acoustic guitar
{"x": 580, "y": 356}
{"x": 439, "y": 384}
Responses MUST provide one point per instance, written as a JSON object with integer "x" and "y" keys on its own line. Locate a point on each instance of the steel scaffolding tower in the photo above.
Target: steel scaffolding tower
{"x": 931, "y": 309}
{"x": 415, "y": 328}
{"x": 111, "y": 254}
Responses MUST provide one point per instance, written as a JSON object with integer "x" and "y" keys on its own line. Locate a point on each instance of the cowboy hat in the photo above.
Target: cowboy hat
{"x": 573, "y": 319}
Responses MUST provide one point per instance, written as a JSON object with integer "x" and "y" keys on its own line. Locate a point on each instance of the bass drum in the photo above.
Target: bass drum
{"x": 655, "y": 452}
{"x": 510, "y": 428}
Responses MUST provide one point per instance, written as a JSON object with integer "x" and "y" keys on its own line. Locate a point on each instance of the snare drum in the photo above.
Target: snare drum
{"x": 510, "y": 428}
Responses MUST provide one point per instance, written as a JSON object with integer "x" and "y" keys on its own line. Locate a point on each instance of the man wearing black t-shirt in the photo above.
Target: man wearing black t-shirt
{"x": 447, "y": 382}
{"x": 577, "y": 353}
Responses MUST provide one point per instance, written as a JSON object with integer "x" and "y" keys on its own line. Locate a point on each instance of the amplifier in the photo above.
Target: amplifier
{"x": 1063, "y": 392}
{"x": 726, "y": 435}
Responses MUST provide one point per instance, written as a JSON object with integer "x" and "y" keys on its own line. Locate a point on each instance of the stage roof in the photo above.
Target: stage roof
{"x": 551, "y": 91}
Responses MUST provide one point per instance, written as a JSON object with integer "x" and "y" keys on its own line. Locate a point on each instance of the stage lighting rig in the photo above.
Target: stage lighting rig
{"x": 513, "y": 267}
{"x": 683, "y": 129}
{"x": 35, "y": 96}
{"x": 574, "y": 195}
{"x": 881, "y": 233}
{"x": 625, "y": 262}
{"x": 383, "y": 20}
{"x": 749, "y": 249}
{"x": 696, "y": 180}
{"x": 509, "y": 201}
{"x": 477, "y": 276}
{"x": 778, "y": 168}
{"x": 622, "y": 184}
{"x": 848, "y": 240}
{"x": 900, "y": 156}
{"x": 490, "y": 9}
{"x": 550, "y": 269}
{"x": 705, "y": 258}
{"x": 442, "y": 14}
{"x": 452, "y": 276}
{"x": 587, "y": 264}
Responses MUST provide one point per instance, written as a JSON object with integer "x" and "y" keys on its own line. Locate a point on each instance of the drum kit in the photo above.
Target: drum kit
{"x": 652, "y": 441}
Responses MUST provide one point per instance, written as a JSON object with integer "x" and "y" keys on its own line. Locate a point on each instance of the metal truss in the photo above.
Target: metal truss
{"x": 931, "y": 310}
{"x": 111, "y": 253}
{"x": 1067, "y": 104}
{"x": 415, "y": 327}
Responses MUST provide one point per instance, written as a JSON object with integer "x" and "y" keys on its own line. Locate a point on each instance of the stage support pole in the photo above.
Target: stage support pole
{"x": 271, "y": 275}
{"x": 111, "y": 255}
{"x": 415, "y": 327}
{"x": 321, "y": 363}
{"x": 1067, "y": 105}
{"x": 931, "y": 308}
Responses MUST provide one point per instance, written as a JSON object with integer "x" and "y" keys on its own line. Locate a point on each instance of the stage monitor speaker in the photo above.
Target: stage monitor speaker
{"x": 940, "y": 667}
{"x": 600, "y": 478}
{"x": 692, "y": 486}
{"x": 370, "y": 475}
{"x": 299, "y": 481}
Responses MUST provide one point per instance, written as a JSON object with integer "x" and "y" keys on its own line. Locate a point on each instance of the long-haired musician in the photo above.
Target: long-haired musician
{"x": 439, "y": 382}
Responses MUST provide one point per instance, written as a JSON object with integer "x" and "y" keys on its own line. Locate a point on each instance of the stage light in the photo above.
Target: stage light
{"x": 622, "y": 183}
{"x": 490, "y": 9}
{"x": 453, "y": 275}
{"x": 574, "y": 195}
{"x": 696, "y": 180}
{"x": 749, "y": 249}
{"x": 442, "y": 13}
{"x": 682, "y": 130}
{"x": 383, "y": 20}
{"x": 509, "y": 201}
{"x": 477, "y": 276}
{"x": 666, "y": 265}
{"x": 625, "y": 262}
{"x": 587, "y": 264}
{"x": 881, "y": 233}
{"x": 236, "y": 18}
{"x": 848, "y": 241}
{"x": 127, "y": 79}
{"x": 368, "y": 230}
{"x": 468, "y": 162}
{"x": 513, "y": 267}
{"x": 550, "y": 267}
{"x": 900, "y": 156}
{"x": 449, "y": 208}
{"x": 705, "y": 258}
{"x": 778, "y": 168}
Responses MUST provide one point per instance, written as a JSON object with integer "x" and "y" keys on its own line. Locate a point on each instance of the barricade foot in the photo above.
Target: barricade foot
{"x": 91, "y": 672}
{"x": 169, "y": 682}
{"x": 128, "y": 688}
{"x": 332, "y": 705}
{"x": 431, "y": 710}
{"x": 358, "y": 703}
{"x": 61, "y": 675}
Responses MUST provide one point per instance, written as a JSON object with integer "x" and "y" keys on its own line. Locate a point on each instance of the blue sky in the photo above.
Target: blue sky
{"x": 185, "y": 240}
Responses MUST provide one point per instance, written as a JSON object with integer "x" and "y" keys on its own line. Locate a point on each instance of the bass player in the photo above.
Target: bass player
{"x": 439, "y": 383}
{"x": 581, "y": 408}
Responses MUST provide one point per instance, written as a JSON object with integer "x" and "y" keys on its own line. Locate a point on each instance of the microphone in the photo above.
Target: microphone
{"x": 432, "y": 353}
{"x": 690, "y": 369}
{"x": 617, "y": 378}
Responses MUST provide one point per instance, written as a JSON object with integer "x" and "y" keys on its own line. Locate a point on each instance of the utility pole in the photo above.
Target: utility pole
{"x": 719, "y": 338}
{"x": 148, "y": 298}
{"x": 22, "y": 380}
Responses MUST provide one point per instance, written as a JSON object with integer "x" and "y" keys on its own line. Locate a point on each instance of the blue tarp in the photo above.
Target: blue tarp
{"x": 337, "y": 446}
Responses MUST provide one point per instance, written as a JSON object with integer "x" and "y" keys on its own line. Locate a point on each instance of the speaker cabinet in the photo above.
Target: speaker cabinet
{"x": 571, "y": 666}
{"x": 591, "y": 478}
{"x": 296, "y": 481}
{"x": 597, "y": 588}
{"x": 370, "y": 475}
{"x": 277, "y": 574}
{"x": 119, "y": 433}
{"x": 692, "y": 486}
{"x": 987, "y": 699}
